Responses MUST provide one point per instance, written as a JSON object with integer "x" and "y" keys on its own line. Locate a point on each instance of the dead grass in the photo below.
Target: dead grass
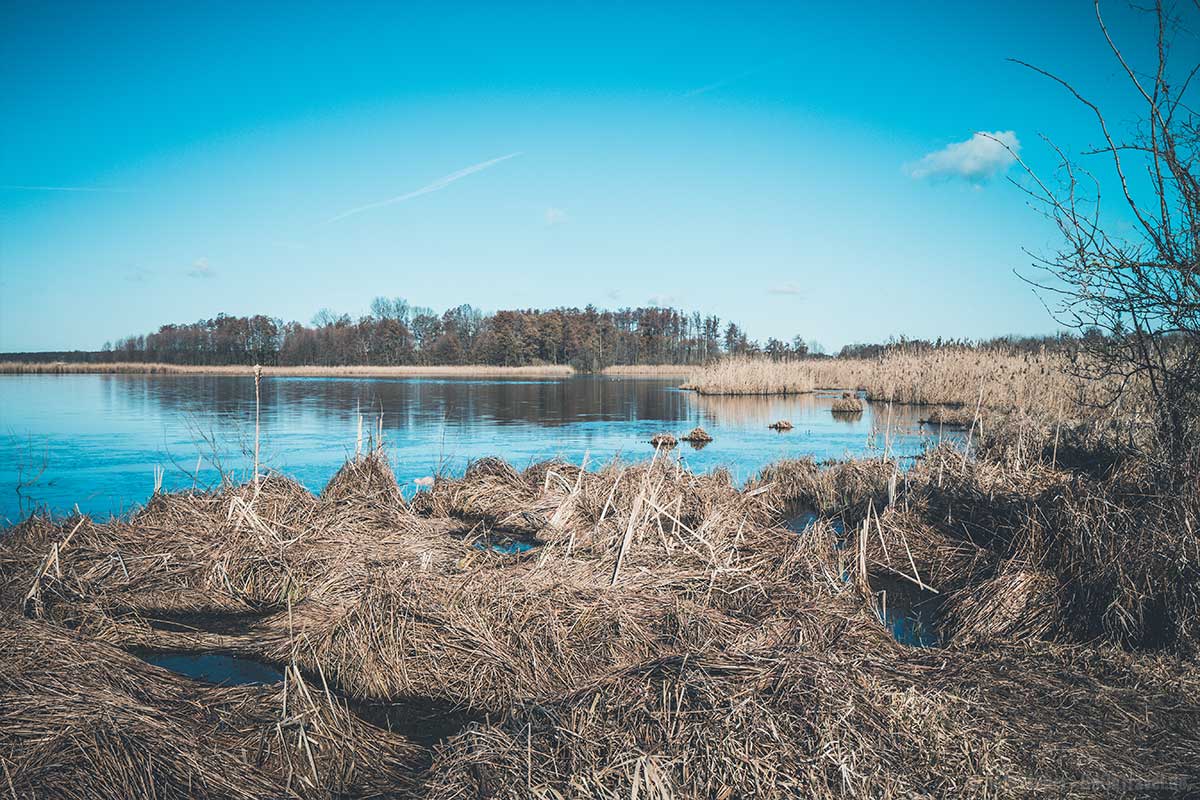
{"x": 80, "y": 719}
{"x": 843, "y": 719}
{"x": 1035, "y": 383}
{"x": 665, "y": 637}
{"x": 751, "y": 376}
{"x": 958, "y": 377}
{"x": 848, "y": 403}
{"x": 649, "y": 370}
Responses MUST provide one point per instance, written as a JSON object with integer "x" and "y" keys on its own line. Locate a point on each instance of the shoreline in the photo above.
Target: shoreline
{"x": 129, "y": 368}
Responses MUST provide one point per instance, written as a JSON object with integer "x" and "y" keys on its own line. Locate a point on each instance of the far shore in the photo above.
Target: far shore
{"x": 650, "y": 370}
{"x": 133, "y": 368}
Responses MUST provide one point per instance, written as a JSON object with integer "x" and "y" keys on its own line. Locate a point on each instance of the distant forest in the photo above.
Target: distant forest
{"x": 397, "y": 333}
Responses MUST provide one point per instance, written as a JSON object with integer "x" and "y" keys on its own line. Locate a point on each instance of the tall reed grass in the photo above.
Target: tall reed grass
{"x": 743, "y": 376}
{"x": 1034, "y": 382}
{"x": 664, "y": 370}
{"x": 958, "y": 377}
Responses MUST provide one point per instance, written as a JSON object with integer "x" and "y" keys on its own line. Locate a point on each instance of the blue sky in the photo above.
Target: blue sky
{"x": 782, "y": 165}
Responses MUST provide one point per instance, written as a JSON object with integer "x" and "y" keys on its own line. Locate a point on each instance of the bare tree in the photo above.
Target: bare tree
{"x": 1134, "y": 294}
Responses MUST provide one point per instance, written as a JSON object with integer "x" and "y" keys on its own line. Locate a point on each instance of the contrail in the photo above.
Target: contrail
{"x": 730, "y": 79}
{"x": 61, "y": 188}
{"x": 440, "y": 183}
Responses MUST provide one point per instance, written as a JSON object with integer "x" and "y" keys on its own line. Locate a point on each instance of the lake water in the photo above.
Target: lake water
{"x": 96, "y": 440}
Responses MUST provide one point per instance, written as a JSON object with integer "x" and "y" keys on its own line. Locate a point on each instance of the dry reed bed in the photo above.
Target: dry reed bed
{"x": 1037, "y": 383}
{"x": 247, "y": 548}
{"x": 958, "y": 377}
{"x": 649, "y": 370}
{"x": 138, "y": 368}
{"x": 851, "y": 718}
{"x": 751, "y": 376}
{"x": 81, "y": 719}
{"x": 667, "y": 637}
{"x": 1124, "y": 558}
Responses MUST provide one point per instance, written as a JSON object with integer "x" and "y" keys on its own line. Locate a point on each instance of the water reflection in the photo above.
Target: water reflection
{"x": 101, "y": 436}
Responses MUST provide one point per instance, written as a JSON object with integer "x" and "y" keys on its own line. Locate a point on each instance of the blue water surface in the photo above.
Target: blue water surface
{"x": 96, "y": 441}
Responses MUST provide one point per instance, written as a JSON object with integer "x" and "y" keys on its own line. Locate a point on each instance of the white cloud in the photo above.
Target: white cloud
{"x": 983, "y": 156}
{"x": 440, "y": 183}
{"x": 555, "y": 216}
{"x": 785, "y": 288}
{"x": 201, "y": 269}
{"x": 662, "y": 301}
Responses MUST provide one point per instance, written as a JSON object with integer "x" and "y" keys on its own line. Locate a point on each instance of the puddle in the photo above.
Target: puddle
{"x": 215, "y": 668}
{"x": 507, "y": 547}
{"x": 424, "y": 720}
{"x": 224, "y": 624}
{"x": 806, "y": 519}
{"x": 907, "y": 610}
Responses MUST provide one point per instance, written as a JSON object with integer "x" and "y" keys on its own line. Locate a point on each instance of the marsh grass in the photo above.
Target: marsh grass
{"x": 959, "y": 379}
{"x": 751, "y": 376}
{"x": 649, "y": 370}
{"x": 848, "y": 403}
{"x": 666, "y": 635}
{"x": 82, "y": 719}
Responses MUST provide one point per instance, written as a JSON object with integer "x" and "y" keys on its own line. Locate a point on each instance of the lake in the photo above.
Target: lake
{"x": 97, "y": 440}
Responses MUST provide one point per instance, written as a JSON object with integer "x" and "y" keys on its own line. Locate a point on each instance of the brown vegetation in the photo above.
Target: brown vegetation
{"x": 962, "y": 384}
{"x": 664, "y": 440}
{"x": 82, "y": 719}
{"x": 665, "y": 633}
{"x": 848, "y": 403}
{"x": 650, "y": 370}
{"x": 751, "y": 376}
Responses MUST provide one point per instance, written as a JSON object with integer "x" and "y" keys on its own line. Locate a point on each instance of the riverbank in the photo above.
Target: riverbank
{"x": 132, "y": 368}
{"x": 556, "y": 631}
{"x": 649, "y": 370}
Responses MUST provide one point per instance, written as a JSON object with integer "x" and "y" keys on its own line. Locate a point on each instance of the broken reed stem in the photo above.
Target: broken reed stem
{"x": 257, "y": 412}
{"x": 34, "y": 595}
{"x": 1057, "y": 430}
{"x": 359, "y": 442}
{"x": 974, "y": 421}
{"x": 635, "y": 513}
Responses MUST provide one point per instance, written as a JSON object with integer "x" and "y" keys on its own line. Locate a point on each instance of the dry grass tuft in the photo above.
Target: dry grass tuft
{"x": 663, "y": 440}
{"x": 848, "y": 403}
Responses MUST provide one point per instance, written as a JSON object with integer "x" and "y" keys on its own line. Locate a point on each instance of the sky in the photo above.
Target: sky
{"x": 803, "y": 169}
